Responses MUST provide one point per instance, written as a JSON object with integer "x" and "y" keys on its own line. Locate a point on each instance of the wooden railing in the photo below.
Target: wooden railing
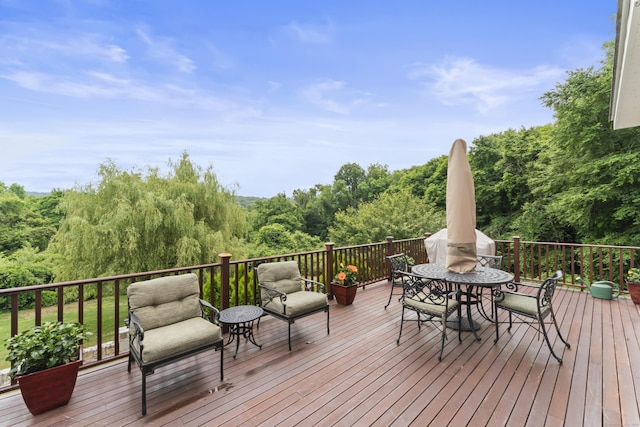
{"x": 535, "y": 261}
{"x": 233, "y": 282}
{"x": 226, "y": 283}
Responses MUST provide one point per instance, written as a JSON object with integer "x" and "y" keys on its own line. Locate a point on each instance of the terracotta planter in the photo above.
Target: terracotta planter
{"x": 634, "y": 291}
{"x": 48, "y": 389}
{"x": 344, "y": 294}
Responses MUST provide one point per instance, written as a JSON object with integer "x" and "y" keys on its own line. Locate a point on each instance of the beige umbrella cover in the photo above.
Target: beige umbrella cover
{"x": 461, "y": 211}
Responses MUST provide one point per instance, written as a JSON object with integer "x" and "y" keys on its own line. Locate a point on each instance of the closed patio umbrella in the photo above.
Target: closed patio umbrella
{"x": 461, "y": 211}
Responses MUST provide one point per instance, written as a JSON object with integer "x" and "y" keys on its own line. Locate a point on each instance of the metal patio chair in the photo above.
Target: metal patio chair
{"x": 433, "y": 301}
{"x": 398, "y": 264}
{"x": 532, "y": 309}
{"x": 485, "y": 295}
{"x": 286, "y": 295}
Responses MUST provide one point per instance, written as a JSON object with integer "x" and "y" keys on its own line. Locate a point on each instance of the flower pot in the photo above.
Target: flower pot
{"x": 48, "y": 389}
{"x": 634, "y": 291}
{"x": 344, "y": 294}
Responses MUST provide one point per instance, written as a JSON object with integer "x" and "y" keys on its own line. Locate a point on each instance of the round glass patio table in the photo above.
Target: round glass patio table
{"x": 484, "y": 278}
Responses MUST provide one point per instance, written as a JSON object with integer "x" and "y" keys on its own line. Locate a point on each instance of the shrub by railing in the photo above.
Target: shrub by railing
{"x": 233, "y": 282}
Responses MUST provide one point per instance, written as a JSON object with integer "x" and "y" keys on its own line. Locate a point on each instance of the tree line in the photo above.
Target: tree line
{"x": 574, "y": 180}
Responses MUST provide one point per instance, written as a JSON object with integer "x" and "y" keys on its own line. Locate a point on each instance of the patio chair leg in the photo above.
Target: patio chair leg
{"x": 546, "y": 338}
{"x": 459, "y": 324}
{"x": 401, "y": 323}
{"x": 144, "y": 394}
{"x": 393, "y": 285}
{"x": 390, "y": 295}
{"x": 222, "y": 363}
{"x": 327, "y": 321}
{"x": 553, "y": 316}
{"x": 289, "y": 336}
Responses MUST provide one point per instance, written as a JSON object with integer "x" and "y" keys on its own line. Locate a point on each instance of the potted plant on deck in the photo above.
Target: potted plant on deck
{"x": 633, "y": 284}
{"x": 45, "y": 362}
{"x": 345, "y": 285}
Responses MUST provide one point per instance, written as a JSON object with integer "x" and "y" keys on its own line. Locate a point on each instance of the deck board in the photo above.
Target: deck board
{"x": 358, "y": 375}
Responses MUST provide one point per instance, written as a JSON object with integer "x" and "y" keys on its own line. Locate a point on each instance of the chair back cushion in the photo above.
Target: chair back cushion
{"x": 165, "y": 300}
{"x": 283, "y": 276}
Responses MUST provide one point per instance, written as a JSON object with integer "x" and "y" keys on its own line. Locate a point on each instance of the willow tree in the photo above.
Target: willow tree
{"x": 132, "y": 221}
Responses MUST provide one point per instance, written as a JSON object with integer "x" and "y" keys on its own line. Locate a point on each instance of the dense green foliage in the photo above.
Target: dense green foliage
{"x": 574, "y": 180}
{"x": 26, "y": 220}
{"x": 398, "y": 214}
{"x": 134, "y": 222}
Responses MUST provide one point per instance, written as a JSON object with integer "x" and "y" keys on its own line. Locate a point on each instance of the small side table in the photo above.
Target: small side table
{"x": 240, "y": 320}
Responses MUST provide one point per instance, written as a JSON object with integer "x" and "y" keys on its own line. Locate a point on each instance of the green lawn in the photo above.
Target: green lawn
{"x": 26, "y": 319}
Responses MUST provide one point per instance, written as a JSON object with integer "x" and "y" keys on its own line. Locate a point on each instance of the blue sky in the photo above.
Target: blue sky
{"x": 276, "y": 95}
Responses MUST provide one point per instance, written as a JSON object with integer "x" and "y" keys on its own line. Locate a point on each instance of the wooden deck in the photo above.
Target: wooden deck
{"x": 357, "y": 375}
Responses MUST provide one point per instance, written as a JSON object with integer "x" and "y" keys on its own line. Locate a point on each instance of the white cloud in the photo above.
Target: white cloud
{"x": 310, "y": 33}
{"x": 460, "y": 81}
{"x": 273, "y": 86}
{"x": 317, "y": 95}
{"x": 161, "y": 48}
{"x": 333, "y": 96}
{"x": 221, "y": 60}
{"x": 72, "y": 46}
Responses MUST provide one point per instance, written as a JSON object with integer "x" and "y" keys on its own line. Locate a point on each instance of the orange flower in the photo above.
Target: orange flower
{"x": 347, "y": 275}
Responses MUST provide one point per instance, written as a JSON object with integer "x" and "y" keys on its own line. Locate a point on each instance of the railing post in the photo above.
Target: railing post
{"x": 389, "y": 245}
{"x": 390, "y": 252}
{"x": 224, "y": 280}
{"x": 329, "y": 275}
{"x": 516, "y": 258}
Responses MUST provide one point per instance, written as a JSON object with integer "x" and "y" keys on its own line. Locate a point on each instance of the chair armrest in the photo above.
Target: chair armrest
{"x": 309, "y": 284}
{"x": 214, "y": 316}
{"x": 522, "y": 294}
{"x": 138, "y": 330}
{"x": 273, "y": 293}
{"x": 513, "y": 286}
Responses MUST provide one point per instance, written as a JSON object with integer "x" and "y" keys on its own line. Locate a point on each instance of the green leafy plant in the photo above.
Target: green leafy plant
{"x": 633, "y": 275}
{"x": 347, "y": 275}
{"x": 43, "y": 347}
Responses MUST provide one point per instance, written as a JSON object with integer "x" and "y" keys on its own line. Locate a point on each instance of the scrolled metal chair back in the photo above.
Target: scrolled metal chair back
{"x": 547, "y": 289}
{"x": 398, "y": 262}
{"x": 424, "y": 290}
{"x": 490, "y": 261}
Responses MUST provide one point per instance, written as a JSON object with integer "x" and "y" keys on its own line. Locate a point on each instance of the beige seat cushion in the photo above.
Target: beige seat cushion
{"x": 178, "y": 337}
{"x": 298, "y": 303}
{"x": 521, "y": 303}
{"x": 436, "y": 308}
